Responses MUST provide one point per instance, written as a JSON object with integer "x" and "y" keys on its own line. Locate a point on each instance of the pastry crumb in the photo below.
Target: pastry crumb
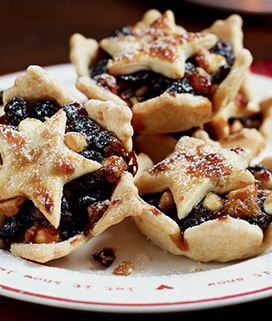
{"x": 143, "y": 256}
{"x": 194, "y": 269}
{"x": 125, "y": 268}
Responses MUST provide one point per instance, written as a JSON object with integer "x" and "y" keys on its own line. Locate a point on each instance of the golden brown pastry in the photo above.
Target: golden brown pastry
{"x": 171, "y": 78}
{"x": 201, "y": 202}
{"x": 67, "y": 170}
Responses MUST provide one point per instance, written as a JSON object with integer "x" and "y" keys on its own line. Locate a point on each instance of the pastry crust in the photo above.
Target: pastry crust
{"x": 124, "y": 200}
{"x": 152, "y": 26}
{"x": 230, "y": 86}
{"x": 220, "y": 240}
{"x": 157, "y": 43}
{"x": 165, "y": 56}
{"x": 266, "y": 111}
{"x": 43, "y": 253}
{"x": 83, "y": 53}
{"x": 157, "y": 147}
{"x": 115, "y": 118}
{"x": 171, "y": 113}
{"x": 220, "y": 126}
{"x": 38, "y": 164}
{"x": 250, "y": 139}
{"x": 36, "y": 85}
{"x": 230, "y": 30}
{"x": 93, "y": 91}
{"x": 193, "y": 170}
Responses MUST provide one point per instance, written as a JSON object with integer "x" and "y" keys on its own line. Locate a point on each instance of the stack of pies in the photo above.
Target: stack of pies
{"x": 184, "y": 102}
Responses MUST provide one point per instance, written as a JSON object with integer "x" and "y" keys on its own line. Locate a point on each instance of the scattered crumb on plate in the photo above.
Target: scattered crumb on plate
{"x": 125, "y": 268}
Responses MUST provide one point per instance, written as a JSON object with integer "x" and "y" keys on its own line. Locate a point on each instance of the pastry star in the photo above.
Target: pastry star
{"x": 37, "y": 164}
{"x": 193, "y": 170}
{"x": 165, "y": 55}
{"x": 163, "y": 24}
{"x": 161, "y": 47}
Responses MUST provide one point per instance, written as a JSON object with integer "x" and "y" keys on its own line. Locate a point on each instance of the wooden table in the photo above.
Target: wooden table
{"x": 37, "y": 32}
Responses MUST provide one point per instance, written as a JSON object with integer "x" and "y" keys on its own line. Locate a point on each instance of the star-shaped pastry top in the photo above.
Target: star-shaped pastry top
{"x": 193, "y": 170}
{"x": 161, "y": 47}
{"x": 36, "y": 164}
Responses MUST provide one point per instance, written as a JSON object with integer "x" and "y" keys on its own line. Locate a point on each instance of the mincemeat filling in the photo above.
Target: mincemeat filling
{"x": 199, "y": 214}
{"x": 89, "y": 190}
{"x": 144, "y": 85}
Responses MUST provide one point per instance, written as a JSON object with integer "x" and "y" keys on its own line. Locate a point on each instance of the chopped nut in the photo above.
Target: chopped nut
{"x": 12, "y": 206}
{"x": 133, "y": 100}
{"x": 243, "y": 202}
{"x": 244, "y": 193}
{"x": 125, "y": 268}
{"x": 265, "y": 177}
{"x": 213, "y": 202}
{"x": 236, "y": 127}
{"x": 27, "y": 125}
{"x": 42, "y": 234}
{"x": 267, "y": 205}
{"x": 75, "y": 141}
{"x": 142, "y": 90}
{"x": 113, "y": 168}
{"x": 238, "y": 208}
{"x": 194, "y": 269}
{"x": 210, "y": 62}
{"x": 166, "y": 200}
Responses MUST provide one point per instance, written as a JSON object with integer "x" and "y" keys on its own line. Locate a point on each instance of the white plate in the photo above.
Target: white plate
{"x": 161, "y": 282}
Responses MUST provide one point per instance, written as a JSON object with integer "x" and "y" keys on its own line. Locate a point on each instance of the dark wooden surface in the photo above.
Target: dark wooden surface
{"x": 37, "y": 32}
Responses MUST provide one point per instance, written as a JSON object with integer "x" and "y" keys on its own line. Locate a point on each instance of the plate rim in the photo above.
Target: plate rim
{"x": 178, "y": 306}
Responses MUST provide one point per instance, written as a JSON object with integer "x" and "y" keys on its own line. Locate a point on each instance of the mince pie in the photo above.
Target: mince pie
{"x": 66, "y": 169}
{"x": 172, "y": 79}
{"x": 204, "y": 202}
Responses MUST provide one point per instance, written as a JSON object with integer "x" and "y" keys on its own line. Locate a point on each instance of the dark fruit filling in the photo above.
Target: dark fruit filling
{"x": 224, "y": 49}
{"x": 199, "y": 214}
{"x": 105, "y": 257}
{"x": 88, "y": 190}
{"x": 125, "y": 31}
{"x": 145, "y": 85}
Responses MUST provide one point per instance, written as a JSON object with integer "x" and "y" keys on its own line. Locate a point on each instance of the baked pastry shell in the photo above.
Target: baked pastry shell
{"x": 36, "y": 85}
{"x": 220, "y": 240}
{"x": 171, "y": 112}
{"x": 124, "y": 202}
{"x": 151, "y": 116}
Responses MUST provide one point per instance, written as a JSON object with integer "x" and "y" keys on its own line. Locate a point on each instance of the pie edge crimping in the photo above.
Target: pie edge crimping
{"x": 143, "y": 111}
{"x": 37, "y": 81}
{"x": 222, "y": 239}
